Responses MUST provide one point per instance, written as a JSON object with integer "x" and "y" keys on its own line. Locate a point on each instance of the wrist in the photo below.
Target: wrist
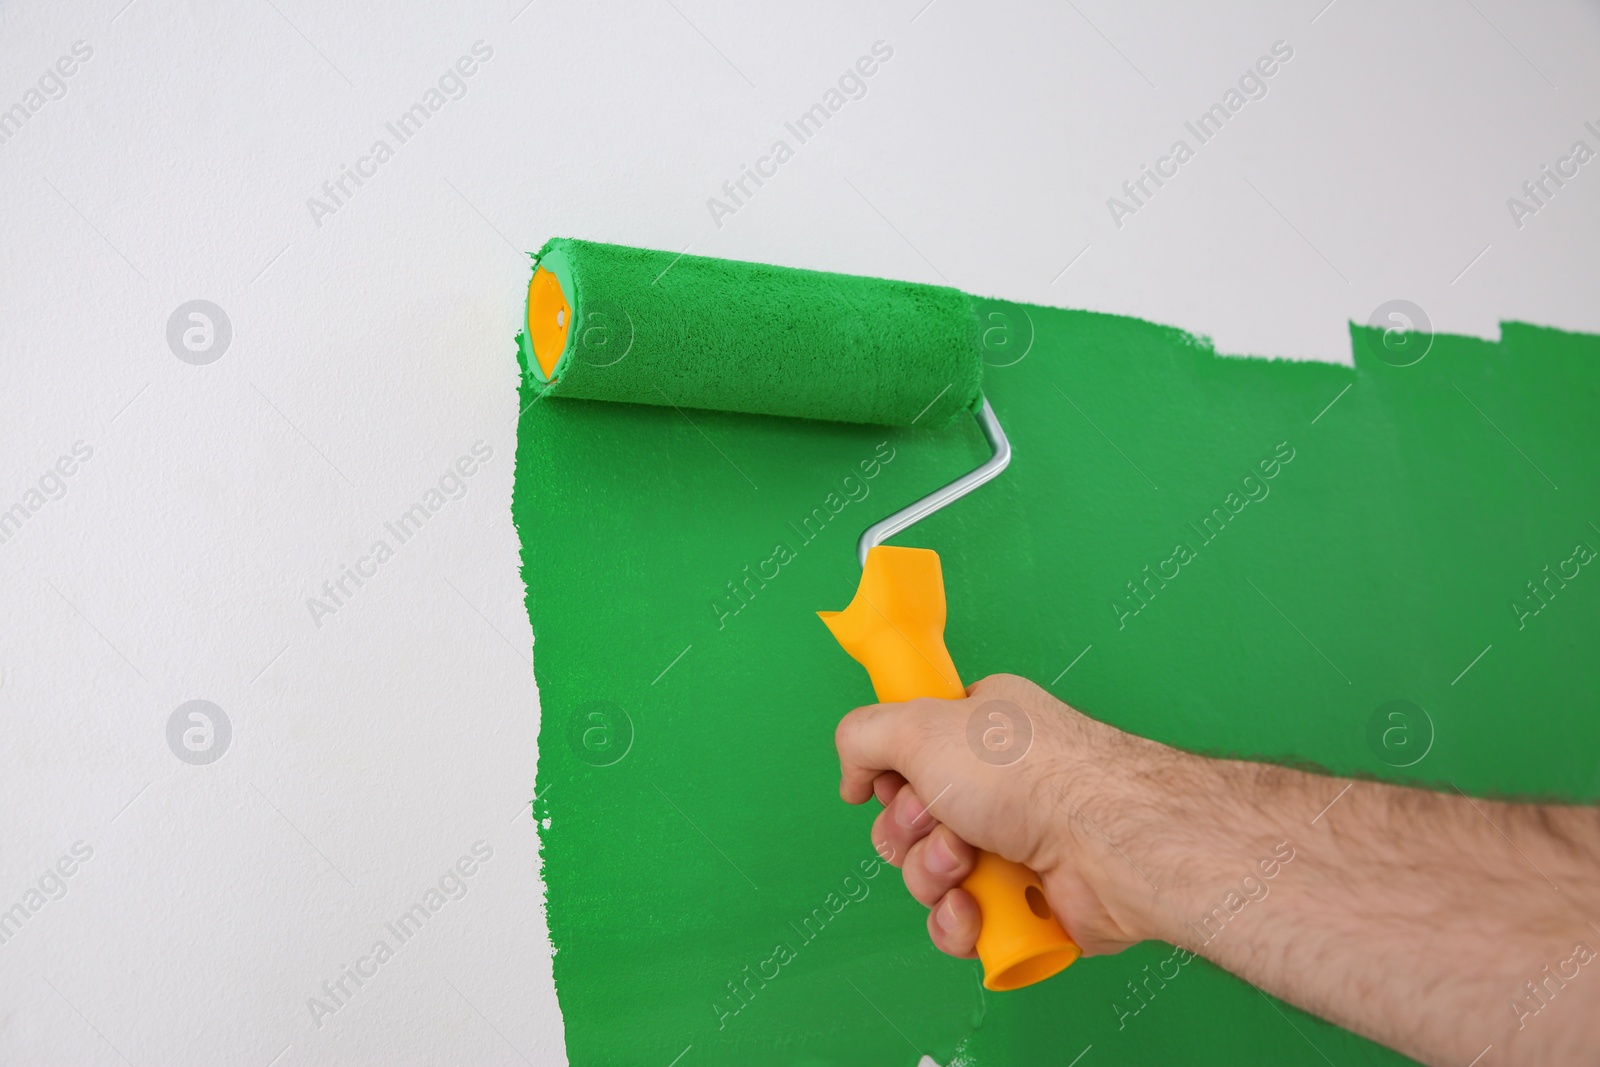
{"x": 1226, "y": 832}
{"x": 1161, "y": 838}
{"x": 1123, "y": 821}
{"x": 1164, "y": 837}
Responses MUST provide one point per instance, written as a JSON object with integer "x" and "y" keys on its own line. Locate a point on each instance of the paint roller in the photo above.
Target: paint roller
{"x": 609, "y": 322}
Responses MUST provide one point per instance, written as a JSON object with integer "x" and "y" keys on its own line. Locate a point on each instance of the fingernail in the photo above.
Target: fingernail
{"x": 940, "y": 860}
{"x": 946, "y": 917}
{"x": 910, "y": 813}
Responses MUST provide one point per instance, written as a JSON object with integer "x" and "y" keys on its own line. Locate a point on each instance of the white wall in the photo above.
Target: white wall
{"x": 372, "y": 748}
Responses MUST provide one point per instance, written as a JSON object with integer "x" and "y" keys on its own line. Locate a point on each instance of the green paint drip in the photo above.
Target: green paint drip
{"x": 706, "y": 885}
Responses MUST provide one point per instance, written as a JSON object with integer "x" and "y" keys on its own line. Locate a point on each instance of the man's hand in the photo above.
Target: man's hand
{"x": 953, "y": 776}
{"x": 1446, "y": 927}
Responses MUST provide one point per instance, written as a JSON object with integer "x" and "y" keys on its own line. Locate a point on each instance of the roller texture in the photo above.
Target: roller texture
{"x": 697, "y": 332}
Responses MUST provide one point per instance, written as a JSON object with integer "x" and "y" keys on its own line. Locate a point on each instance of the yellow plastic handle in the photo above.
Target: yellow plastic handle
{"x": 895, "y": 629}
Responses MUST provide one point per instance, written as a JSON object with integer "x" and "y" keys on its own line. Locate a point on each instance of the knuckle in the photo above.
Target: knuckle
{"x": 891, "y": 843}
{"x": 965, "y": 855}
{"x": 919, "y": 883}
{"x": 845, "y": 733}
{"x": 1012, "y": 686}
{"x": 932, "y": 726}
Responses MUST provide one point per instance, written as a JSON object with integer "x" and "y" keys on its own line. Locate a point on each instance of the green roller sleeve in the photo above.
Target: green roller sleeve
{"x": 648, "y": 327}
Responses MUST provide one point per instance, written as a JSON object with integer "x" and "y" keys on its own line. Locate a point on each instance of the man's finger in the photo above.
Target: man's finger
{"x": 901, "y": 825}
{"x": 886, "y": 785}
{"x": 953, "y": 924}
{"x": 937, "y": 864}
{"x": 870, "y": 740}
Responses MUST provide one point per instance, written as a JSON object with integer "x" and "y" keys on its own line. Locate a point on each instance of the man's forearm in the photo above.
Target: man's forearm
{"x": 1433, "y": 923}
{"x": 1455, "y": 930}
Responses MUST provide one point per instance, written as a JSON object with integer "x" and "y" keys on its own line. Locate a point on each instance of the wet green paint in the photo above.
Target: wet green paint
{"x": 695, "y": 841}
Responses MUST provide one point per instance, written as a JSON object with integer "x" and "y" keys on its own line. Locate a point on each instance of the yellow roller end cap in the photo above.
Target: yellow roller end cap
{"x": 549, "y": 320}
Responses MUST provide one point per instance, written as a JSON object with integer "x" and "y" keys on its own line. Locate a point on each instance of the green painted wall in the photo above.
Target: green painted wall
{"x": 693, "y": 819}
